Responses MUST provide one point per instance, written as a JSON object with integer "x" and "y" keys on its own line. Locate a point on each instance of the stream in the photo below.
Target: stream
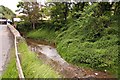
{"x": 49, "y": 55}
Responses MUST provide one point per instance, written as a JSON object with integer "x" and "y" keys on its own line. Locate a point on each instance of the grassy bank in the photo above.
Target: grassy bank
{"x": 89, "y": 41}
{"x": 32, "y": 66}
{"x": 11, "y": 69}
{"x": 42, "y": 34}
{"x": 76, "y": 48}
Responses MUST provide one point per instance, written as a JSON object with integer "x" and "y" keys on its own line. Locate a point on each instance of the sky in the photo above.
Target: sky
{"x": 12, "y": 4}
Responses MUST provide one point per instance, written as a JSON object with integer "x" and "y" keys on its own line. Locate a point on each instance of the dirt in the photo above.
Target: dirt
{"x": 66, "y": 70}
{"x": 42, "y": 42}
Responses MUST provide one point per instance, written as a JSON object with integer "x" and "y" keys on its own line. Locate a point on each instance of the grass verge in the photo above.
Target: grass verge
{"x": 11, "y": 69}
{"x": 32, "y": 66}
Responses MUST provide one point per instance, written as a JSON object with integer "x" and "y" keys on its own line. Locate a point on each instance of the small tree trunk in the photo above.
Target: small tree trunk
{"x": 33, "y": 25}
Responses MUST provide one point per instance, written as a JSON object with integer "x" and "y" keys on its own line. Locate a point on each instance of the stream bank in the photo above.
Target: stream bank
{"x": 47, "y": 52}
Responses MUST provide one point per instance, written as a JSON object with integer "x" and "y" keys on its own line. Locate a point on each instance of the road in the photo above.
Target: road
{"x": 6, "y": 41}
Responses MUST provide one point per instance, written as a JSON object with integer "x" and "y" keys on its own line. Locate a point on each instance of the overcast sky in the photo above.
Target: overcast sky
{"x": 12, "y": 4}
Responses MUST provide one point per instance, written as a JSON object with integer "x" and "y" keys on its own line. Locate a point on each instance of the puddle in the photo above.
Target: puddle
{"x": 49, "y": 55}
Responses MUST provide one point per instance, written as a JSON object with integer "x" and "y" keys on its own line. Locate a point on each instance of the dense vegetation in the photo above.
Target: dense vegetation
{"x": 6, "y": 12}
{"x": 91, "y": 41}
{"x": 85, "y": 35}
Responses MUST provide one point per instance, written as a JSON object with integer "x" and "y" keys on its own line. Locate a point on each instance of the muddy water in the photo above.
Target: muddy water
{"x": 48, "y": 54}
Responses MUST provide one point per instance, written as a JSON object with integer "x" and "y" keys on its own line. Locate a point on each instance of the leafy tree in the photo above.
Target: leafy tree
{"x": 58, "y": 13}
{"x": 6, "y": 12}
{"x": 31, "y": 11}
{"x": 77, "y": 7}
{"x": 117, "y": 8}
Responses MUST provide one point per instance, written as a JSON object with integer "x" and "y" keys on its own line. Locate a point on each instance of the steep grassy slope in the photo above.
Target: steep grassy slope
{"x": 91, "y": 42}
{"x": 42, "y": 34}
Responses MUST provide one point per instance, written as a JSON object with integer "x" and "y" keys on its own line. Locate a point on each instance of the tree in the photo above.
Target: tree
{"x": 59, "y": 13}
{"x": 6, "y": 12}
{"x": 31, "y": 11}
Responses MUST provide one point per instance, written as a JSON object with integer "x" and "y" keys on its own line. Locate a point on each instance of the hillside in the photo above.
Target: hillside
{"x": 6, "y": 12}
{"x": 91, "y": 41}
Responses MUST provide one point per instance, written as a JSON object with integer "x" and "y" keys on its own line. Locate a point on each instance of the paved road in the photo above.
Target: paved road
{"x": 5, "y": 44}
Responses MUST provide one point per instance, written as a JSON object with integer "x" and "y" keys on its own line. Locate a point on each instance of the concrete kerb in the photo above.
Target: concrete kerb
{"x": 17, "y": 38}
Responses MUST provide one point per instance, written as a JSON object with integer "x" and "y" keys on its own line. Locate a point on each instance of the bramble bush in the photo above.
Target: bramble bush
{"x": 91, "y": 41}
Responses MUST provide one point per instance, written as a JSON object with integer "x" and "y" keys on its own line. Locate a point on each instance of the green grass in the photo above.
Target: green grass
{"x": 77, "y": 46}
{"x": 90, "y": 41}
{"x": 32, "y": 66}
{"x": 42, "y": 34}
{"x": 11, "y": 69}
